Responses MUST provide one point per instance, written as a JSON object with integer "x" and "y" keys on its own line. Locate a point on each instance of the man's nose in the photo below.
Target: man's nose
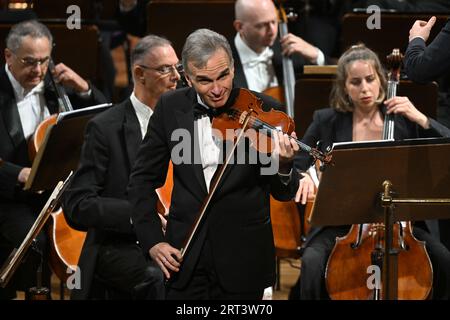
{"x": 176, "y": 75}
{"x": 216, "y": 88}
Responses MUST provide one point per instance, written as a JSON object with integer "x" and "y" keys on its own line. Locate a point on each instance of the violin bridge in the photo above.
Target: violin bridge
{"x": 242, "y": 117}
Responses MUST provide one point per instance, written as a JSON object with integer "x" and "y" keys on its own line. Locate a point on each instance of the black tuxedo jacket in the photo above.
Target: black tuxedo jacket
{"x": 428, "y": 63}
{"x": 96, "y": 200}
{"x": 238, "y": 221}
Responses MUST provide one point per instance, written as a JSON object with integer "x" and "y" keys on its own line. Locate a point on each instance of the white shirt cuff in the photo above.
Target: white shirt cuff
{"x": 320, "y": 58}
{"x": 417, "y": 37}
{"x": 86, "y": 94}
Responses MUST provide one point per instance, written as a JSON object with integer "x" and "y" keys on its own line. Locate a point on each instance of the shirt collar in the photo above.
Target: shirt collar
{"x": 200, "y": 102}
{"x": 141, "y": 109}
{"x": 20, "y": 91}
{"x": 247, "y": 55}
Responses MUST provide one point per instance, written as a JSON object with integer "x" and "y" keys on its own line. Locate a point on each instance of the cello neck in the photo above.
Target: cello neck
{"x": 288, "y": 67}
{"x": 388, "y": 126}
{"x": 63, "y": 99}
{"x": 394, "y": 60}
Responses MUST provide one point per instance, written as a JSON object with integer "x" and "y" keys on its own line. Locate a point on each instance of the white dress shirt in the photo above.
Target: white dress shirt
{"x": 30, "y": 104}
{"x": 209, "y": 146}
{"x": 143, "y": 113}
{"x": 258, "y": 68}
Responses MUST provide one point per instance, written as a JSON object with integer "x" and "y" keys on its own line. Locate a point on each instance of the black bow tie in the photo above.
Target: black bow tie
{"x": 202, "y": 111}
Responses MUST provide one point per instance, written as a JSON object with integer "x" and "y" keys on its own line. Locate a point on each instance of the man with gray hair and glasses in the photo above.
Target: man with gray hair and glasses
{"x": 232, "y": 255}
{"x": 26, "y": 99}
{"x": 96, "y": 198}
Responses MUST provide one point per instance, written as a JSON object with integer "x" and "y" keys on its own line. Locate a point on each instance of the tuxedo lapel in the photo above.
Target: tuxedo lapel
{"x": 185, "y": 119}
{"x": 132, "y": 133}
{"x": 10, "y": 114}
{"x": 239, "y": 80}
{"x": 51, "y": 100}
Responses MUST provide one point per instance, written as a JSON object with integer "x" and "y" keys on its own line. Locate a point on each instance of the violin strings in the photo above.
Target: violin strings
{"x": 254, "y": 122}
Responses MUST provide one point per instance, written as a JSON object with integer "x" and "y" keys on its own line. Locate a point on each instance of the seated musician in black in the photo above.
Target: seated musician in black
{"x": 96, "y": 199}
{"x": 357, "y": 114}
{"x": 27, "y": 97}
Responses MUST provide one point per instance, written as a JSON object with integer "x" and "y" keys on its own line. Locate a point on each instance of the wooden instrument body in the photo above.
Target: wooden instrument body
{"x": 347, "y": 273}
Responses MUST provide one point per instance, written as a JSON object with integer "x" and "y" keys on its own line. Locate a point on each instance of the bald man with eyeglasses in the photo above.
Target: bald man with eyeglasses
{"x": 27, "y": 97}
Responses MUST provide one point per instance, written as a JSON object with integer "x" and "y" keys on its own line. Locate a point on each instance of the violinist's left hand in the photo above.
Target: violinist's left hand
{"x": 285, "y": 149}
{"x": 291, "y": 44}
{"x": 404, "y": 107}
{"x": 67, "y": 77}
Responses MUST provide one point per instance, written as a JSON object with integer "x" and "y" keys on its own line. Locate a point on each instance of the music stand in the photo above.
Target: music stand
{"x": 367, "y": 177}
{"x": 60, "y": 151}
{"x": 18, "y": 254}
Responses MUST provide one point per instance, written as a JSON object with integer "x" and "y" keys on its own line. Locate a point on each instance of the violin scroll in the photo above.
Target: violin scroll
{"x": 325, "y": 158}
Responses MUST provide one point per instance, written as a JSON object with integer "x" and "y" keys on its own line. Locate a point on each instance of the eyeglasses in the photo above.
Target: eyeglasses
{"x": 166, "y": 69}
{"x": 31, "y": 63}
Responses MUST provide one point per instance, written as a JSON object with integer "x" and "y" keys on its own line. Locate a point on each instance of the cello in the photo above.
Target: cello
{"x": 65, "y": 242}
{"x": 347, "y": 270}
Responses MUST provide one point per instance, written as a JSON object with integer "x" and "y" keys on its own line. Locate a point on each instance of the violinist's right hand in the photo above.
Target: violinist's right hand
{"x": 167, "y": 257}
{"x": 306, "y": 189}
{"x": 23, "y": 175}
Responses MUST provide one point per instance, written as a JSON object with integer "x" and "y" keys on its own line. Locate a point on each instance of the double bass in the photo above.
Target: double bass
{"x": 362, "y": 249}
{"x": 65, "y": 242}
{"x": 288, "y": 222}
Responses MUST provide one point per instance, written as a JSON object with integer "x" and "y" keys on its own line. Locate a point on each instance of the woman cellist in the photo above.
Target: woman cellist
{"x": 357, "y": 113}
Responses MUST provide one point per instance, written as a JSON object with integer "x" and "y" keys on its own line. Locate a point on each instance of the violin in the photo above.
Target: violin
{"x": 347, "y": 268}
{"x": 248, "y": 107}
{"x": 66, "y": 243}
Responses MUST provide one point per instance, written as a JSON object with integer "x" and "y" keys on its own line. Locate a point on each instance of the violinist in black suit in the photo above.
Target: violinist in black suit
{"x": 96, "y": 199}
{"x": 232, "y": 255}
{"x": 257, "y": 51}
{"x": 27, "y": 98}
